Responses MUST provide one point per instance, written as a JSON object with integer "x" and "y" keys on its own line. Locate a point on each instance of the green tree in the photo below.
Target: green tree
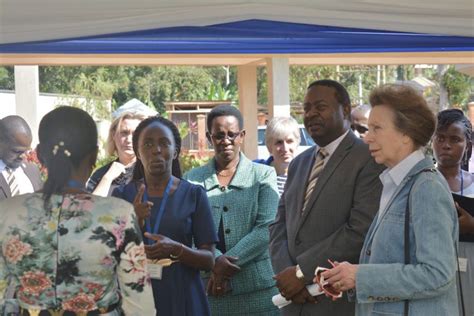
{"x": 262, "y": 86}
{"x": 302, "y": 76}
{"x": 157, "y": 85}
{"x": 178, "y": 84}
{"x": 217, "y": 92}
{"x": 96, "y": 84}
{"x": 152, "y": 85}
{"x": 459, "y": 87}
{"x": 7, "y": 79}
{"x": 225, "y": 75}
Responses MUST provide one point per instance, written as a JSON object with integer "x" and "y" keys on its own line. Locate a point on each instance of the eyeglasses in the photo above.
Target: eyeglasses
{"x": 359, "y": 128}
{"x": 231, "y": 136}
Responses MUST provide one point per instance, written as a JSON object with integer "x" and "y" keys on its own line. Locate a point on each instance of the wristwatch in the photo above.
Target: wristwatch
{"x": 299, "y": 273}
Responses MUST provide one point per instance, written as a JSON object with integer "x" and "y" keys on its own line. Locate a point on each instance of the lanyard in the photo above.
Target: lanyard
{"x": 161, "y": 210}
{"x": 75, "y": 184}
{"x": 462, "y": 183}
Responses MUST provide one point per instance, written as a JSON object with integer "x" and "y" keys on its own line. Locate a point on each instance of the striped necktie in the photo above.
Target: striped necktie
{"x": 313, "y": 176}
{"x": 12, "y": 182}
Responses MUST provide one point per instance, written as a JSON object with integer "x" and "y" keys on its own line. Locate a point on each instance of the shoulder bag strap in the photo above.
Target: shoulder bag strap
{"x": 407, "y": 231}
{"x": 460, "y": 285}
{"x": 406, "y": 241}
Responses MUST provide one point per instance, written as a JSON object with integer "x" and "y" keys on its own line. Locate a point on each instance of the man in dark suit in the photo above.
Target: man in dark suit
{"x": 16, "y": 175}
{"x": 330, "y": 198}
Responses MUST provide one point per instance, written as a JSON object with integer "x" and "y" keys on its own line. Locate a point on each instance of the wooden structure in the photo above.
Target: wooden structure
{"x": 192, "y": 115}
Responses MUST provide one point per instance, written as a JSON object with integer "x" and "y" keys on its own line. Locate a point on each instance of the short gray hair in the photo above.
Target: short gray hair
{"x": 281, "y": 128}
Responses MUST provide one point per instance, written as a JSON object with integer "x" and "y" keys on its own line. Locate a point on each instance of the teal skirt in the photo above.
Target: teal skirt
{"x": 254, "y": 303}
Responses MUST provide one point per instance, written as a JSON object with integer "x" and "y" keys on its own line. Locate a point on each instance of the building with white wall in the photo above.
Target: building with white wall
{"x": 45, "y": 103}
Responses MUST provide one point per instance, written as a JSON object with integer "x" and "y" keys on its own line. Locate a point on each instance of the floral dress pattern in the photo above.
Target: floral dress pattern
{"x": 83, "y": 253}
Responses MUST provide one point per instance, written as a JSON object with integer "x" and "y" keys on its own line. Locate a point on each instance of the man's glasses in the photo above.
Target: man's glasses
{"x": 231, "y": 136}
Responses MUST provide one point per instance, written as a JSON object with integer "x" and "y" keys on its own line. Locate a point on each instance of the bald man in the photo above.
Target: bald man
{"x": 359, "y": 119}
{"x": 16, "y": 175}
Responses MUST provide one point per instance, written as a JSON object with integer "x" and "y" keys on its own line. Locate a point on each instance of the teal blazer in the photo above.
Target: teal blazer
{"x": 247, "y": 206}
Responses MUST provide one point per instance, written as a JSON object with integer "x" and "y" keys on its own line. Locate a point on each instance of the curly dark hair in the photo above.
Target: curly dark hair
{"x": 138, "y": 171}
{"x": 451, "y": 116}
{"x": 224, "y": 110}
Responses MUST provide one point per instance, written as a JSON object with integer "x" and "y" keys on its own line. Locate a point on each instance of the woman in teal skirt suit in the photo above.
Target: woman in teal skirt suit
{"x": 244, "y": 199}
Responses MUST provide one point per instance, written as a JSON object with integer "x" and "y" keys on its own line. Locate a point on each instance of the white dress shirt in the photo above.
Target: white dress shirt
{"x": 331, "y": 147}
{"x": 391, "y": 178}
{"x": 24, "y": 183}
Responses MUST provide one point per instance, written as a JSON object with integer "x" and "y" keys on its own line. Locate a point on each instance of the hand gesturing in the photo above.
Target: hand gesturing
{"x": 142, "y": 209}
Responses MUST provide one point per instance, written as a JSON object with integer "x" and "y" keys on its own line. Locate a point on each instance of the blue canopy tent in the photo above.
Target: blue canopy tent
{"x": 246, "y": 44}
{"x": 248, "y": 37}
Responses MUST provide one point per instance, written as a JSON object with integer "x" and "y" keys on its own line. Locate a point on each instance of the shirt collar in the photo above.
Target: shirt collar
{"x": 332, "y": 146}
{"x": 3, "y": 166}
{"x": 400, "y": 171}
{"x": 241, "y": 176}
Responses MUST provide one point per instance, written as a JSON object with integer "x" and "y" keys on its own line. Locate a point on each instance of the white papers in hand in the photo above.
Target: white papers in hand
{"x": 280, "y": 302}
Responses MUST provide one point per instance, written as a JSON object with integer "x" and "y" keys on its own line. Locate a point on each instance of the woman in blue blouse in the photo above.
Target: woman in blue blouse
{"x": 244, "y": 200}
{"x": 175, "y": 215}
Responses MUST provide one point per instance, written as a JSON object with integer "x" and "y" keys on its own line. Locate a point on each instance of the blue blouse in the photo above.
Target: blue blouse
{"x": 186, "y": 219}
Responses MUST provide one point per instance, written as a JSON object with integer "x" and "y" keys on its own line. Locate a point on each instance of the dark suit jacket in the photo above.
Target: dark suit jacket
{"x": 31, "y": 171}
{"x": 338, "y": 216}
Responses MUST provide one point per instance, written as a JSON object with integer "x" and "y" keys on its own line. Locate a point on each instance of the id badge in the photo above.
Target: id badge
{"x": 462, "y": 264}
{"x": 155, "y": 269}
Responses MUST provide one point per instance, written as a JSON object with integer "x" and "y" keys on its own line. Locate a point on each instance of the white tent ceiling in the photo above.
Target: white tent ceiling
{"x": 34, "y": 20}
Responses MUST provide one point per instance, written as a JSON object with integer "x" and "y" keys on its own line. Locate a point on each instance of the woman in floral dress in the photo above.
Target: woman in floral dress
{"x": 65, "y": 251}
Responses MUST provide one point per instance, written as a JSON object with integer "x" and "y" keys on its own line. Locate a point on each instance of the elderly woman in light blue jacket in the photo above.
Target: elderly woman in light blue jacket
{"x": 407, "y": 264}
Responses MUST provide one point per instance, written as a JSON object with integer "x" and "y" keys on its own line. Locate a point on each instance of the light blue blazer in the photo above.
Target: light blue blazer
{"x": 383, "y": 281}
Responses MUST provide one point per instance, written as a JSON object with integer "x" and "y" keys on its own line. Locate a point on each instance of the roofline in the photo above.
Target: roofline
{"x": 445, "y": 57}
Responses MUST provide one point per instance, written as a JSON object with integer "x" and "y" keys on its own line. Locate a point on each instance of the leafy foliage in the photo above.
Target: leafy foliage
{"x": 7, "y": 81}
{"x": 159, "y": 84}
{"x": 32, "y": 157}
{"x": 103, "y": 160}
{"x": 217, "y": 92}
{"x": 189, "y": 161}
{"x": 459, "y": 87}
